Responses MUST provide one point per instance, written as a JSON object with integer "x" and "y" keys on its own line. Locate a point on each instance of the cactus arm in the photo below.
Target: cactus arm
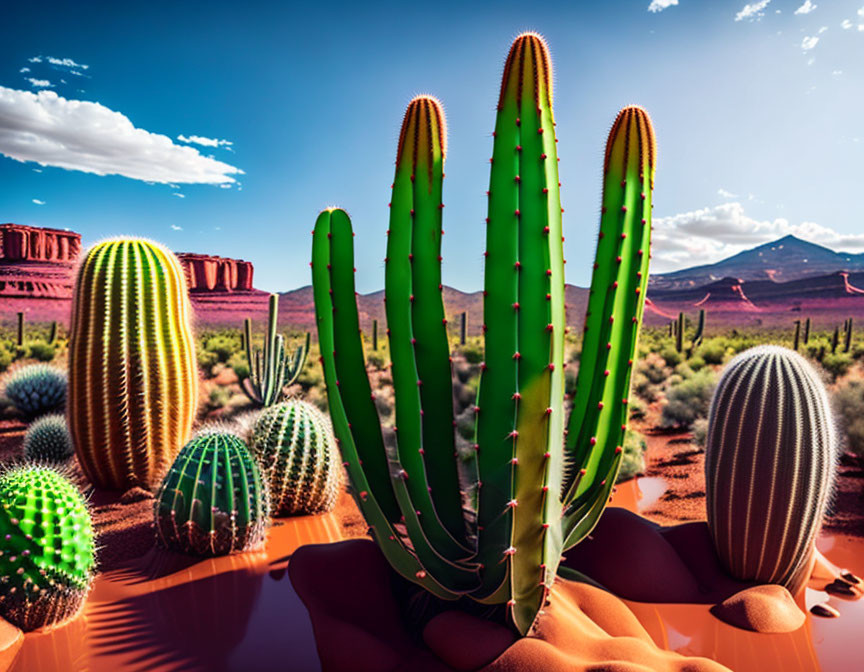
{"x": 524, "y": 341}
{"x": 419, "y": 349}
{"x": 615, "y": 305}
{"x": 382, "y": 499}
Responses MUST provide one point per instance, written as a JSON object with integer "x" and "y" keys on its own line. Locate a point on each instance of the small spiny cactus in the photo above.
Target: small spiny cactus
{"x": 36, "y": 389}
{"x": 297, "y": 454}
{"x": 47, "y": 558}
{"x": 48, "y": 440}
{"x": 212, "y": 501}
{"x": 769, "y": 465}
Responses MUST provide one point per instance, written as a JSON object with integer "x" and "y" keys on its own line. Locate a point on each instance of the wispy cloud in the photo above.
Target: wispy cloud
{"x": 38, "y": 202}
{"x": 179, "y": 195}
{"x": 846, "y": 25}
{"x": 204, "y": 142}
{"x": 24, "y": 70}
{"x": 806, "y": 8}
{"x": 711, "y": 234}
{"x": 174, "y": 227}
{"x": 752, "y": 11}
{"x": 50, "y": 130}
{"x": 39, "y": 83}
{"x": 726, "y": 194}
{"x": 809, "y": 42}
{"x": 660, "y": 5}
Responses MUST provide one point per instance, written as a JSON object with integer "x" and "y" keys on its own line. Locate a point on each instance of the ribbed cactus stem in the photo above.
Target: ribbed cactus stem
{"x": 133, "y": 379}
{"x": 299, "y": 461}
{"x": 769, "y": 465}
{"x": 616, "y": 302}
{"x": 212, "y": 501}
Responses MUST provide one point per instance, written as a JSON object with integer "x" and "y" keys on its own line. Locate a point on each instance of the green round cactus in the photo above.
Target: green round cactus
{"x": 212, "y": 501}
{"x": 47, "y": 556}
{"x": 48, "y": 440}
{"x": 297, "y": 454}
{"x": 36, "y": 389}
{"x": 770, "y": 460}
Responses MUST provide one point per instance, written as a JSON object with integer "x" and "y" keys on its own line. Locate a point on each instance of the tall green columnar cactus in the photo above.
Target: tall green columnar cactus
{"x": 699, "y": 336}
{"x": 47, "y": 558}
{"x": 679, "y": 333}
{"x": 298, "y": 457}
{"x": 496, "y": 534}
{"x": 212, "y": 501}
{"x": 847, "y": 335}
{"x": 133, "y": 379}
{"x": 797, "y": 337}
{"x": 806, "y": 330}
{"x": 271, "y": 369}
{"x": 769, "y": 465}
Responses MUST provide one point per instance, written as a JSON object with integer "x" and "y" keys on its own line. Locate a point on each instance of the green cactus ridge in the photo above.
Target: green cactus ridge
{"x": 133, "y": 378}
{"x": 47, "y": 559}
{"x": 270, "y": 368}
{"x": 212, "y": 500}
{"x": 492, "y": 520}
{"x": 297, "y": 454}
{"x": 769, "y": 465}
{"x": 48, "y": 440}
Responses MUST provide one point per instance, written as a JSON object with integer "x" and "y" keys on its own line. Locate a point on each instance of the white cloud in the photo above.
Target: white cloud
{"x": 179, "y": 195}
{"x": 861, "y": 11}
{"x": 40, "y": 83}
{"x": 846, "y": 25}
{"x": 66, "y": 63}
{"x": 806, "y": 8}
{"x": 38, "y": 202}
{"x": 823, "y": 29}
{"x": 35, "y": 59}
{"x": 24, "y": 70}
{"x": 50, "y": 130}
{"x": 837, "y": 73}
{"x": 711, "y": 234}
{"x": 809, "y": 42}
{"x": 752, "y": 11}
{"x": 726, "y": 194}
{"x": 205, "y": 142}
{"x": 174, "y": 227}
{"x": 660, "y": 5}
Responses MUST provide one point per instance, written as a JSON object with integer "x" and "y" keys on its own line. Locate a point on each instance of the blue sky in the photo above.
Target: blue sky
{"x": 757, "y": 108}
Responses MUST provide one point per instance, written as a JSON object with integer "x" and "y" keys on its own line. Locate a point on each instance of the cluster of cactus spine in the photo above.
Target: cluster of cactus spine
{"x": 769, "y": 465}
{"x": 212, "y": 500}
{"x": 36, "y": 389}
{"x": 298, "y": 457}
{"x": 271, "y": 369}
{"x": 533, "y": 494}
{"x": 133, "y": 380}
{"x": 48, "y": 440}
{"x": 47, "y": 556}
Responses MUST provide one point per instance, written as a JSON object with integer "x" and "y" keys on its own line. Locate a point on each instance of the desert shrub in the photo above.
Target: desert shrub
{"x": 472, "y": 351}
{"x": 206, "y": 360}
{"x": 671, "y": 356}
{"x": 570, "y": 382}
{"x": 837, "y": 364}
{"x": 5, "y": 357}
{"x": 654, "y": 368}
{"x": 713, "y": 351}
{"x": 239, "y": 364}
{"x": 42, "y": 351}
{"x": 633, "y": 459}
{"x": 637, "y": 408}
{"x": 219, "y": 397}
{"x": 848, "y": 402}
{"x": 643, "y": 388}
{"x": 688, "y": 400}
{"x": 376, "y": 360}
{"x": 223, "y": 346}
{"x": 696, "y": 363}
{"x": 700, "y": 431}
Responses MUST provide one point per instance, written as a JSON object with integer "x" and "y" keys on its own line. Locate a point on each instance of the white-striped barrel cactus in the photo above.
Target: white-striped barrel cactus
{"x": 212, "y": 500}
{"x": 297, "y": 453}
{"x": 133, "y": 380}
{"x": 491, "y": 522}
{"x": 769, "y": 465}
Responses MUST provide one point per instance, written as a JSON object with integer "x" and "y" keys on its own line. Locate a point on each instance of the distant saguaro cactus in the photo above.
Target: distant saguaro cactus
{"x": 769, "y": 465}
{"x": 133, "y": 379}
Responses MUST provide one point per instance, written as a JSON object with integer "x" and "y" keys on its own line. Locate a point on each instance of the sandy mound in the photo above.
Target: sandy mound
{"x": 765, "y": 608}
